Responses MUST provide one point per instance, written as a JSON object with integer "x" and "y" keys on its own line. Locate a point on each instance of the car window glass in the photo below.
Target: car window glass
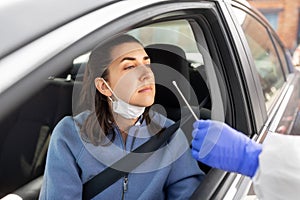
{"x": 177, "y": 32}
{"x": 264, "y": 54}
{"x": 282, "y": 56}
{"x": 160, "y": 32}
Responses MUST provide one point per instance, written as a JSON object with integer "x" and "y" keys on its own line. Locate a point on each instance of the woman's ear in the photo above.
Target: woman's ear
{"x": 101, "y": 87}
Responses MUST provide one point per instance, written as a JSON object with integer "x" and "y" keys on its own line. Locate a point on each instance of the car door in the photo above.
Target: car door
{"x": 266, "y": 78}
{"x": 275, "y": 80}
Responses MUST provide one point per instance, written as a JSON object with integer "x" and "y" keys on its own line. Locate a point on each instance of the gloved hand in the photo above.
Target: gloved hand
{"x": 220, "y": 146}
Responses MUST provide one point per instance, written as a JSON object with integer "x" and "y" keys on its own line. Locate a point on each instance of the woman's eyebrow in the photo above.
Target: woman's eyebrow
{"x": 132, "y": 58}
{"x": 127, "y": 58}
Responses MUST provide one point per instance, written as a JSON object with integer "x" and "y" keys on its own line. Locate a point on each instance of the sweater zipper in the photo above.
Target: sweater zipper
{"x": 125, "y": 186}
{"x": 125, "y": 179}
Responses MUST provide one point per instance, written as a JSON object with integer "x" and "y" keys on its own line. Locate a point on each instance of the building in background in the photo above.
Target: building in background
{"x": 284, "y": 17}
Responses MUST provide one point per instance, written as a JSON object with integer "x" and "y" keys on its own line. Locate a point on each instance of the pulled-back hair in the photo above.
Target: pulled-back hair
{"x": 100, "y": 121}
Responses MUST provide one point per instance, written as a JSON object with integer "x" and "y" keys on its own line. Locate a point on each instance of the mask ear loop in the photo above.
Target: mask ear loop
{"x": 109, "y": 89}
{"x": 110, "y": 99}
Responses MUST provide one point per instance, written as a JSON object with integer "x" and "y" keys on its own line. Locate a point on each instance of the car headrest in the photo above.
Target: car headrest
{"x": 77, "y": 71}
{"x": 169, "y": 55}
{"x": 169, "y": 63}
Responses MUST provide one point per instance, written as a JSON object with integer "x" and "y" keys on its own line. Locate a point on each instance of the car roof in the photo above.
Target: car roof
{"x": 23, "y": 21}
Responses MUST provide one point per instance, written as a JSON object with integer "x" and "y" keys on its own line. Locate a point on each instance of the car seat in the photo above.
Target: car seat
{"x": 26, "y": 133}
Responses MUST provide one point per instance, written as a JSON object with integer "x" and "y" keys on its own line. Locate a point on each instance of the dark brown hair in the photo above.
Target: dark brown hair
{"x": 99, "y": 124}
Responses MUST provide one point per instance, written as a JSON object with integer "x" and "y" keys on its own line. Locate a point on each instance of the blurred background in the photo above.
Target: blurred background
{"x": 284, "y": 18}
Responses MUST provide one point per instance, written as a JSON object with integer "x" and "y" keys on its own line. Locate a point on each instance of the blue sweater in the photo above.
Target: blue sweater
{"x": 170, "y": 173}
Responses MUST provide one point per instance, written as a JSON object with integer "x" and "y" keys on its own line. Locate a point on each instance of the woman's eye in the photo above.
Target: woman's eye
{"x": 129, "y": 67}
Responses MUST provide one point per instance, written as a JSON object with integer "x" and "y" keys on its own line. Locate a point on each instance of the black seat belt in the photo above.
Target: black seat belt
{"x": 129, "y": 162}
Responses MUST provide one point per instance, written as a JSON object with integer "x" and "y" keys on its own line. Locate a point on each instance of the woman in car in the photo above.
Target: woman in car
{"x": 118, "y": 91}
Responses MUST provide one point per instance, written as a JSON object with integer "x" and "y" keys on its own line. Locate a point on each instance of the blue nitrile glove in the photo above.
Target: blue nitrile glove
{"x": 220, "y": 146}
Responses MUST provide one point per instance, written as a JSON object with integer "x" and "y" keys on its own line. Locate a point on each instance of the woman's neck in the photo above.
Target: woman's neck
{"x": 124, "y": 124}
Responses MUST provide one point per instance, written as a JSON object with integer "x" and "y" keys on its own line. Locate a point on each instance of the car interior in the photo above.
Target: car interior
{"x": 26, "y": 132}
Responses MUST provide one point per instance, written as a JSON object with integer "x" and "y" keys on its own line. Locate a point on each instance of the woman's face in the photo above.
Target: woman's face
{"x": 130, "y": 75}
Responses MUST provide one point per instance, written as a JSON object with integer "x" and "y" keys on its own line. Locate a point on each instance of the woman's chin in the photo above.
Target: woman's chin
{"x": 144, "y": 103}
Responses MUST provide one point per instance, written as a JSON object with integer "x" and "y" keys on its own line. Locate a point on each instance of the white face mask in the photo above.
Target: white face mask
{"x": 124, "y": 109}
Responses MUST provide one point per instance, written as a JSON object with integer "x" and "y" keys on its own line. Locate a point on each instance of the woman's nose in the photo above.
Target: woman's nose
{"x": 146, "y": 72}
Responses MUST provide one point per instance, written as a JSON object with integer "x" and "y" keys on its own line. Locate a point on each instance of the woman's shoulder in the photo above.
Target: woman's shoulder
{"x": 68, "y": 128}
{"x": 77, "y": 119}
{"x": 66, "y": 135}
